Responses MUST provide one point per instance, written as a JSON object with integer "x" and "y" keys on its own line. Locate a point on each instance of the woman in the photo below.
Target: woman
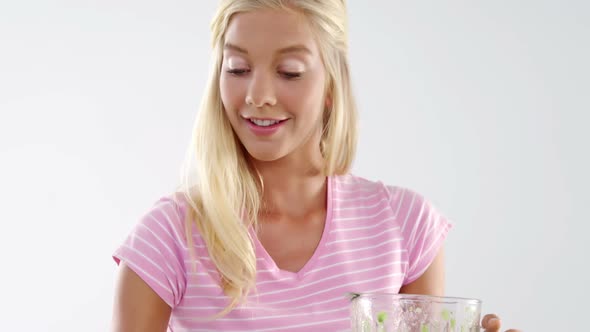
{"x": 270, "y": 230}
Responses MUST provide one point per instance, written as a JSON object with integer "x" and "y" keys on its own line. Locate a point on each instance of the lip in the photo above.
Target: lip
{"x": 265, "y": 131}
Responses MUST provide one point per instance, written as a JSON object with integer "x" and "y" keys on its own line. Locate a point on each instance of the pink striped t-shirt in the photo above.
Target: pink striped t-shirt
{"x": 376, "y": 239}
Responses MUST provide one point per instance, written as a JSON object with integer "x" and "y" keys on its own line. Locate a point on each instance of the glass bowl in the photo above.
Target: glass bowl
{"x": 382, "y": 312}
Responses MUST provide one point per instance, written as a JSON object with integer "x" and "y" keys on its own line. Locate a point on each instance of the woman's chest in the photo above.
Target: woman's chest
{"x": 291, "y": 244}
{"x": 313, "y": 300}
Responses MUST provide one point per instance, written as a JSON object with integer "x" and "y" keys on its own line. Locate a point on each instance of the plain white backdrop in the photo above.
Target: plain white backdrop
{"x": 482, "y": 106}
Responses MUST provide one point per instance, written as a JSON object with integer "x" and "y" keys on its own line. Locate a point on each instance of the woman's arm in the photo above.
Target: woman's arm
{"x": 432, "y": 281}
{"x": 137, "y": 307}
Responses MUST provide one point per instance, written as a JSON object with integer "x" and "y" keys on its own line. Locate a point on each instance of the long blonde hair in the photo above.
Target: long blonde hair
{"x": 222, "y": 188}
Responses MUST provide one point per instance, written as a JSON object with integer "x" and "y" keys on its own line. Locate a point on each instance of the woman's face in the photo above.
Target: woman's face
{"x": 272, "y": 84}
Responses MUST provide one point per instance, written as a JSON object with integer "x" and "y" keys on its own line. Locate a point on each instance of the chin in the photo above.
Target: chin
{"x": 265, "y": 154}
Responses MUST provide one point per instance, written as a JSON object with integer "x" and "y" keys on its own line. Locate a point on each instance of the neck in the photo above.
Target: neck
{"x": 293, "y": 187}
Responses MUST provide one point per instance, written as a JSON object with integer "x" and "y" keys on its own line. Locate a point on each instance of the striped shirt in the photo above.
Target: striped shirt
{"x": 377, "y": 238}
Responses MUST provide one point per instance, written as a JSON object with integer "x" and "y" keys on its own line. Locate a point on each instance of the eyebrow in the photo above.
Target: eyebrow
{"x": 289, "y": 49}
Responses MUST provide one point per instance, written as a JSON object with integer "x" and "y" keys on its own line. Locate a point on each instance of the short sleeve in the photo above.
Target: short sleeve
{"x": 154, "y": 250}
{"x": 423, "y": 229}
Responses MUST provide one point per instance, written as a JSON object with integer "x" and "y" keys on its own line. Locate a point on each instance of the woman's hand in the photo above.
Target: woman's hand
{"x": 491, "y": 323}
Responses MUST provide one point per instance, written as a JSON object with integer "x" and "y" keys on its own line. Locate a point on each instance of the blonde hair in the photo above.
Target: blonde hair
{"x": 222, "y": 188}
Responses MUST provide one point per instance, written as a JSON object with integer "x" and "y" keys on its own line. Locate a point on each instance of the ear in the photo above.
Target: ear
{"x": 328, "y": 102}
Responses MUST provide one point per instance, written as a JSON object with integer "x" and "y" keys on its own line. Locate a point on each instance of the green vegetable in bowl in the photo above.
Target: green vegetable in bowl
{"x": 446, "y": 315}
{"x": 381, "y": 317}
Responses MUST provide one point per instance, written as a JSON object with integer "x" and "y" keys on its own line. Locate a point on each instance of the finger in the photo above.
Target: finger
{"x": 486, "y": 319}
{"x": 491, "y": 323}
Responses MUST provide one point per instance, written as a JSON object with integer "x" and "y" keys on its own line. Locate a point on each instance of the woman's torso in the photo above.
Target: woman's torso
{"x": 360, "y": 250}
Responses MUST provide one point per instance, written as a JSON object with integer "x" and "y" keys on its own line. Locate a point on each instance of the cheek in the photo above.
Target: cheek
{"x": 304, "y": 98}
{"x": 232, "y": 93}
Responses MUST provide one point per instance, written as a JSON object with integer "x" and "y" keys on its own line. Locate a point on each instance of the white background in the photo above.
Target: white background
{"x": 482, "y": 106}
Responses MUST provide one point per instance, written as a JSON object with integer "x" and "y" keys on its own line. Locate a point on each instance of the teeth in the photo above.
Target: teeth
{"x": 264, "y": 123}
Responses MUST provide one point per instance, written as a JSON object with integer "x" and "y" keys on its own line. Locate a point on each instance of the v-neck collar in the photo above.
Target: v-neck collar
{"x": 299, "y": 275}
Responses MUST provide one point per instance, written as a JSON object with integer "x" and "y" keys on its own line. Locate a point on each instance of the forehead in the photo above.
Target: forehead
{"x": 269, "y": 30}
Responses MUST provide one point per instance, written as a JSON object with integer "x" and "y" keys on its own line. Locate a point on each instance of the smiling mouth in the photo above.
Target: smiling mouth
{"x": 262, "y": 122}
{"x": 265, "y": 123}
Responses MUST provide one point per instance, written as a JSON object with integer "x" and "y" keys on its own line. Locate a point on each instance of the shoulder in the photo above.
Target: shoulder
{"x": 357, "y": 184}
{"x": 156, "y": 249}
{"x": 357, "y": 191}
{"x": 170, "y": 208}
{"x": 350, "y": 183}
{"x": 174, "y": 206}
{"x": 163, "y": 221}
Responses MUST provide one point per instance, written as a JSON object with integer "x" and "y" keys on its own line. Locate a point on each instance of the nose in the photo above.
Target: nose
{"x": 261, "y": 91}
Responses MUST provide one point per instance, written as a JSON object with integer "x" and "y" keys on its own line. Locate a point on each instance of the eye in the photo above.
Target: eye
{"x": 290, "y": 75}
{"x": 237, "y": 72}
